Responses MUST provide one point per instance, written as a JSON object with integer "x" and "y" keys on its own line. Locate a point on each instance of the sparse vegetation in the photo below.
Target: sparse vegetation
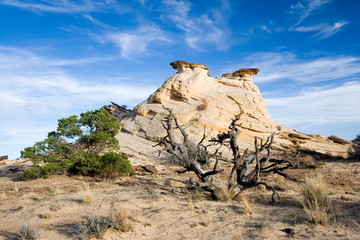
{"x": 94, "y": 225}
{"x": 87, "y": 197}
{"x": 46, "y": 215}
{"x": 307, "y": 160}
{"x": 315, "y": 200}
{"x": 75, "y": 147}
{"x": 119, "y": 219}
{"x": 356, "y": 147}
{"x": 27, "y": 232}
{"x": 189, "y": 203}
{"x": 246, "y": 205}
{"x": 51, "y": 192}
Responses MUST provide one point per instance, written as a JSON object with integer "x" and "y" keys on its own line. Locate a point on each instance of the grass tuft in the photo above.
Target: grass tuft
{"x": 224, "y": 194}
{"x": 315, "y": 200}
{"x": 87, "y": 197}
{"x": 119, "y": 218}
{"x": 246, "y": 205}
{"x": 189, "y": 203}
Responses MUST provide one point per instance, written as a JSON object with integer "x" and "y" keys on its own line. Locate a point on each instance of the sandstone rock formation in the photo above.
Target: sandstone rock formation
{"x": 203, "y": 102}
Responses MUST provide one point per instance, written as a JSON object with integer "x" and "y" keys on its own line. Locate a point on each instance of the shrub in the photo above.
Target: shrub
{"x": 356, "y": 147}
{"x": 33, "y": 173}
{"x": 75, "y": 146}
{"x": 119, "y": 219}
{"x": 116, "y": 164}
{"x": 94, "y": 226}
{"x": 89, "y": 165}
{"x": 315, "y": 200}
{"x": 27, "y": 233}
{"x": 109, "y": 165}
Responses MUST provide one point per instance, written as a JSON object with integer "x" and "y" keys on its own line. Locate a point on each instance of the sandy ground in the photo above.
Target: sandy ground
{"x": 160, "y": 206}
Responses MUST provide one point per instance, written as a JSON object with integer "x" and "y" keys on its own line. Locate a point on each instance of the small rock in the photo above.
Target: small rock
{"x": 150, "y": 168}
{"x": 4, "y": 157}
{"x": 289, "y": 231}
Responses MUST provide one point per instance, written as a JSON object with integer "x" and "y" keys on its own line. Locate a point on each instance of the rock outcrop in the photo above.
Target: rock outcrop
{"x": 203, "y": 102}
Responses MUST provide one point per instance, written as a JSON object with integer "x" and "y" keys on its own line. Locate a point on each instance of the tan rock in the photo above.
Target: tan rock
{"x": 200, "y": 101}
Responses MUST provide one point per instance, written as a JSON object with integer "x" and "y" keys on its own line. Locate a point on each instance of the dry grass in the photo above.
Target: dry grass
{"x": 307, "y": 160}
{"x": 246, "y": 204}
{"x": 46, "y": 215}
{"x": 224, "y": 194}
{"x": 315, "y": 200}
{"x": 87, "y": 196}
{"x": 189, "y": 203}
{"x": 119, "y": 217}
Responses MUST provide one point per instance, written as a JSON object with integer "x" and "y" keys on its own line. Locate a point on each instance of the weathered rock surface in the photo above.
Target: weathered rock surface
{"x": 203, "y": 102}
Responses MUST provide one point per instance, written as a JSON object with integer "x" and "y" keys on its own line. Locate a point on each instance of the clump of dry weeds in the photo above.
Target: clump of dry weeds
{"x": 87, "y": 196}
{"x": 224, "y": 194}
{"x": 315, "y": 200}
{"x": 119, "y": 218}
{"x": 246, "y": 204}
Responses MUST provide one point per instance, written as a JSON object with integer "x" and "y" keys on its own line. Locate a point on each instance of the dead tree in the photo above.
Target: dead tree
{"x": 248, "y": 168}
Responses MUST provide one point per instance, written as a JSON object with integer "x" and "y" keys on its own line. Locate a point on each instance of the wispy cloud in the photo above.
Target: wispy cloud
{"x": 276, "y": 66}
{"x": 323, "y": 30}
{"x": 270, "y": 27}
{"x": 201, "y": 31}
{"x": 35, "y": 91}
{"x": 15, "y": 58}
{"x": 318, "y": 106}
{"x": 38, "y": 80}
{"x": 304, "y": 9}
{"x": 136, "y": 42}
{"x": 64, "y": 6}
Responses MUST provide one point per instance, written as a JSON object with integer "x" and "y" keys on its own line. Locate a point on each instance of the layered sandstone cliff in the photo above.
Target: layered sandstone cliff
{"x": 203, "y": 102}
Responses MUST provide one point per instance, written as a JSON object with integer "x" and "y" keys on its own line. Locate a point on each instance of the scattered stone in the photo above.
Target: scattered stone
{"x": 5, "y": 157}
{"x": 289, "y": 231}
{"x": 150, "y": 168}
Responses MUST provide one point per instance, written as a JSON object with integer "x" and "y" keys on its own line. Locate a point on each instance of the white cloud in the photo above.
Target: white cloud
{"x": 319, "y": 106}
{"x": 63, "y": 6}
{"x": 305, "y": 8}
{"x": 42, "y": 82}
{"x": 203, "y": 31}
{"x": 35, "y": 91}
{"x": 323, "y": 30}
{"x": 276, "y": 66}
{"x": 135, "y": 43}
{"x": 266, "y": 29}
{"x": 15, "y": 58}
{"x": 142, "y": 2}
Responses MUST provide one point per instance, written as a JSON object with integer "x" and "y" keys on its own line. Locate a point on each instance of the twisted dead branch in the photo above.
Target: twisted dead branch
{"x": 248, "y": 168}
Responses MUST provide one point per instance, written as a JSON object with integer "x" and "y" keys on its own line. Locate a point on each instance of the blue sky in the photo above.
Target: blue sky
{"x": 63, "y": 57}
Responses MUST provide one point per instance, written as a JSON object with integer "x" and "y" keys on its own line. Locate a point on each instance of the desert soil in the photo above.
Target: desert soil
{"x": 160, "y": 206}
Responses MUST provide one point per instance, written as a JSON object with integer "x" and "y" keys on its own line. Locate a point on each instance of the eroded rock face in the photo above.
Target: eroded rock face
{"x": 202, "y": 102}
